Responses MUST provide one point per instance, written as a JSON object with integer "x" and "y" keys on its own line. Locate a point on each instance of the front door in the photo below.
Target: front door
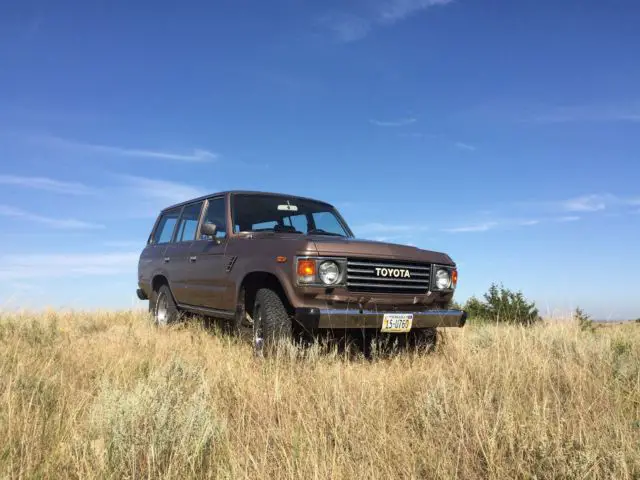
{"x": 208, "y": 281}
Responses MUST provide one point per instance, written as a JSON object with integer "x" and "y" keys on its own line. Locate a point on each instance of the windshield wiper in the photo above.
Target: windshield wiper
{"x": 276, "y": 230}
{"x": 319, "y": 231}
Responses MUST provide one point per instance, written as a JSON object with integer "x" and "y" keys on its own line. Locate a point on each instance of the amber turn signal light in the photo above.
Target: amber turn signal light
{"x": 306, "y": 268}
{"x": 454, "y": 277}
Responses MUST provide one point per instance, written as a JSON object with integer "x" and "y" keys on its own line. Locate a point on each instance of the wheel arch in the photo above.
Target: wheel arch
{"x": 158, "y": 280}
{"x": 253, "y": 281}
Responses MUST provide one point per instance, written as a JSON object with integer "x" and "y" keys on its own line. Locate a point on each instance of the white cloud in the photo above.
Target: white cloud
{"x": 394, "y": 123}
{"x": 465, "y": 146}
{"x": 392, "y": 11}
{"x": 413, "y": 135}
{"x": 584, "y": 204}
{"x": 47, "y": 184}
{"x": 597, "y": 202}
{"x": 506, "y": 110}
{"x": 568, "y": 218}
{"x": 349, "y": 27}
{"x": 163, "y": 190}
{"x": 587, "y": 203}
{"x": 590, "y": 113}
{"x": 480, "y": 227}
{"x": 65, "y": 224}
{"x": 22, "y": 286}
{"x": 196, "y": 155}
{"x": 25, "y": 266}
{"x": 508, "y": 223}
{"x": 346, "y": 27}
{"x": 124, "y": 243}
{"x": 528, "y": 223}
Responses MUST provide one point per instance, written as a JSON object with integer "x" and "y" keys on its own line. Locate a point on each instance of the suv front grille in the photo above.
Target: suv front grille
{"x": 362, "y": 276}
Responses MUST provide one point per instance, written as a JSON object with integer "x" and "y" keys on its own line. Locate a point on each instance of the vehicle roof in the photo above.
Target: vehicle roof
{"x": 243, "y": 192}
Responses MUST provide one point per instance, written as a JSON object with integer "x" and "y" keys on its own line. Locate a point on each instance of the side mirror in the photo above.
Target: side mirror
{"x": 209, "y": 229}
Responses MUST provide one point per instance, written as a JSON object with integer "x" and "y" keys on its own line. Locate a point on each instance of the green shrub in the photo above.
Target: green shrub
{"x": 453, "y": 305}
{"x": 502, "y": 305}
{"x": 584, "y": 321}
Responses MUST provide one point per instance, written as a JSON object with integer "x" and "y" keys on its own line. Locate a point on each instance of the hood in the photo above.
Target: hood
{"x": 349, "y": 247}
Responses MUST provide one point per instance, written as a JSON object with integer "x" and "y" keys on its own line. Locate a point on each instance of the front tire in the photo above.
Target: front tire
{"x": 165, "y": 310}
{"x": 271, "y": 321}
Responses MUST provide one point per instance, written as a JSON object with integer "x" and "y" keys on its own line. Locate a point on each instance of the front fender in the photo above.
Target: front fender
{"x": 283, "y": 277}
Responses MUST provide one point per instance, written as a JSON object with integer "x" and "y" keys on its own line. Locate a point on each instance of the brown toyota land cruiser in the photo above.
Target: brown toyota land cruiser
{"x": 279, "y": 264}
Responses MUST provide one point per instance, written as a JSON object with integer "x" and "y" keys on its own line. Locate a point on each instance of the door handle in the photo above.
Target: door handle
{"x": 166, "y": 259}
{"x": 193, "y": 259}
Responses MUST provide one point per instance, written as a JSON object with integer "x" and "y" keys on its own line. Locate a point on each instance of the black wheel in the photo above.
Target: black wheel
{"x": 271, "y": 321}
{"x": 165, "y": 311}
{"x": 425, "y": 339}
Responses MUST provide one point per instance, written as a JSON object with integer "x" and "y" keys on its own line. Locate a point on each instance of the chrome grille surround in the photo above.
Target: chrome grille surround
{"x": 388, "y": 276}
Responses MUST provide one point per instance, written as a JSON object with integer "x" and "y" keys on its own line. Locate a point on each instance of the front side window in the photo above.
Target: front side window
{"x": 166, "y": 225}
{"x": 189, "y": 223}
{"x": 327, "y": 222}
{"x": 216, "y": 214}
{"x": 277, "y": 213}
{"x": 300, "y": 222}
{"x": 270, "y": 225}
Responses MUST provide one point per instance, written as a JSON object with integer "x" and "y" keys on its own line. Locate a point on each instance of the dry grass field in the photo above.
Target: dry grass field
{"x": 109, "y": 396}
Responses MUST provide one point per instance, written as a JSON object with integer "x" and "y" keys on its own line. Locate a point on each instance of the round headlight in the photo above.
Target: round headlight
{"x": 329, "y": 272}
{"x": 443, "y": 279}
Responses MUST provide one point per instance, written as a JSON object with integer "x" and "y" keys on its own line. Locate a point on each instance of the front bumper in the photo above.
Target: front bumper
{"x": 317, "y": 318}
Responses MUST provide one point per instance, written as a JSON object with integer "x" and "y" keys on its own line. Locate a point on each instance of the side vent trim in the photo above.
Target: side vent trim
{"x": 231, "y": 263}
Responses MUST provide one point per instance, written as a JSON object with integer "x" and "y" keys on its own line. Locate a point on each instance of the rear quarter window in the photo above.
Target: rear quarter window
{"x": 166, "y": 225}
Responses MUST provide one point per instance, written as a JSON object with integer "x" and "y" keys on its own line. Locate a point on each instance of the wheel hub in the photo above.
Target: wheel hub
{"x": 162, "y": 312}
{"x": 258, "y": 339}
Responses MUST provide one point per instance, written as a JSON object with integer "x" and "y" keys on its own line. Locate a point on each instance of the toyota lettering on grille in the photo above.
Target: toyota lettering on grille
{"x": 392, "y": 272}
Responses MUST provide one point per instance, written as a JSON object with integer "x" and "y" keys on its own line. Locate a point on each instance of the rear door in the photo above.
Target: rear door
{"x": 207, "y": 256}
{"x": 152, "y": 260}
{"x": 177, "y": 253}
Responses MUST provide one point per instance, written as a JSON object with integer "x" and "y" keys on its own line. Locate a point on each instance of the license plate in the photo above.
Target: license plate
{"x": 397, "y": 322}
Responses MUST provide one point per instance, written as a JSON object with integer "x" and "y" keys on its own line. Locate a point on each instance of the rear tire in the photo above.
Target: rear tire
{"x": 271, "y": 321}
{"x": 152, "y": 303}
{"x": 165, "y": 310}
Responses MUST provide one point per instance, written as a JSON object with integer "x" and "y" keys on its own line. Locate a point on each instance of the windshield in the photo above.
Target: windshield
{"x": 277, "y": 213}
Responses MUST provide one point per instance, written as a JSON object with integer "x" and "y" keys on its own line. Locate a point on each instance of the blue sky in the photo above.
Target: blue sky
{"x": 504, "y": 133}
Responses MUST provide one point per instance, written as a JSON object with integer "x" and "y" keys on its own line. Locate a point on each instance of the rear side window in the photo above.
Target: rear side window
{"x": 189, "y": 223}
{"x": 166, "y": 225}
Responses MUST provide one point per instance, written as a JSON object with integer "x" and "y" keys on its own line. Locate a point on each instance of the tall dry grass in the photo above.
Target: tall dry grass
{"x": 109, "y": 396}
